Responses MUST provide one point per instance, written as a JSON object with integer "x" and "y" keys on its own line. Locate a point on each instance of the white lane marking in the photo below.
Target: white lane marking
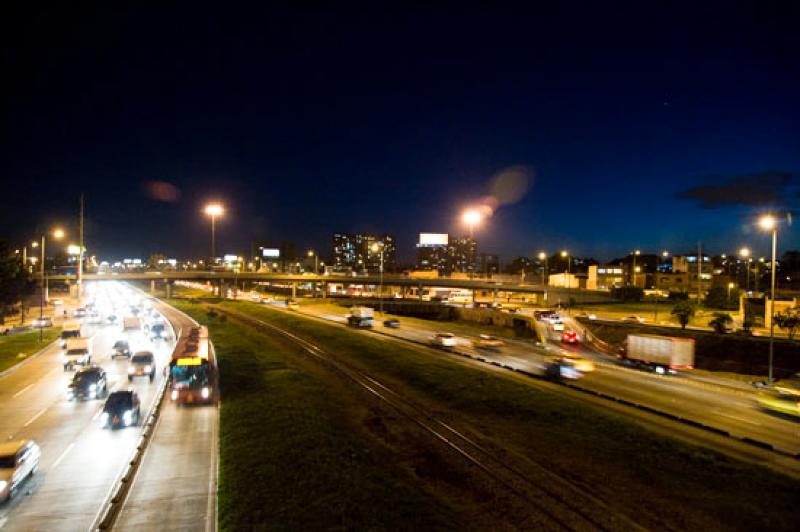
{"x": 25, "y": 389}
{"x": 3, "y": 521}
{"x": 743, "y": 420}
{"x": 51, "y": 372}
{"x": 34, "y": 418}
{"x": 63, "y": 455}
{"x": 97, "y": 414}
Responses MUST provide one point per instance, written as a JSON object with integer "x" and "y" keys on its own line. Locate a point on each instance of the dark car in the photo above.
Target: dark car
{"x": 158, "y": 331}
{"x": 111, "y": 319}
{"x": 393, "y": 323}
{"x": 122, "y": 409}
{"x": 89, "y": 382}
{"x": 121, "y": 349}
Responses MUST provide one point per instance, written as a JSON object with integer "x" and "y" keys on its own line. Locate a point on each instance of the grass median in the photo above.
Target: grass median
{"x": 300, "y": 451}
{"x": 16, "y": 348}
{"x": 656, "y": 479}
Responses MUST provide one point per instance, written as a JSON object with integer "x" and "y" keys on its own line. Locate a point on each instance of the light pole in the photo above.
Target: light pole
{"x": 633, "y": 270}
{"x": 378, "y": 247}
{"x": 769, "y": 223}
{"x": 567, "y": 281}
{"x": 543, "y": 256}
{"x": 745, "y": 254}
{"x": 316, "y": 267}
{"x": 57, "y": 234}
{"x": 471, "y": 218}
{"x": 213, "y": 210}
{"x": 730, "y": 285}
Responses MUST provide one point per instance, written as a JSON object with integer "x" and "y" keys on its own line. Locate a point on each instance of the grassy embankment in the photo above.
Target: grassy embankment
{"x": 15, "y": 348}
{"x": 656, "y": 479}
{"x": 299, "y": 450}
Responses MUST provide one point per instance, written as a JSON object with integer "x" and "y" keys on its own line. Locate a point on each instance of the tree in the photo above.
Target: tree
{"x": 788, "y": 319}
{"x": 683, "y": 311}
{"x": 156, "y": 262}
{"x": 627, "y": 293}
{"x": 721, "y": 322}
{"x": 15, "y": 280}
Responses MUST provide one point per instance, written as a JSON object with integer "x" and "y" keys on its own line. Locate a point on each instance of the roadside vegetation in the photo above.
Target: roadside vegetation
{"x": 16, "y": 348}
{"x": 655, "y": 479}
{"x": 301, "y": 450}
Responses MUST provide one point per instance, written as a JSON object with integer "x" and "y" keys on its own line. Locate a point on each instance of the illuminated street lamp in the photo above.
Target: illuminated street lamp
{"x": 730, "y": 286}
{"x": 214, "y": 210}
{"x": 471, "y": 218}
{"x": 745, "y": 254}
{"x": 634, "y": 271}
{"x": 316, "y": 261}
{"x": 57, "y": 234}
{"x": 543, "y": 256}
{"x": 376, "y": 248}
{"x": 769, "y": 223}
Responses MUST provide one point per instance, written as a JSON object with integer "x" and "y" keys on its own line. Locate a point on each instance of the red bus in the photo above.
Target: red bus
{"x": 193, "y": 369}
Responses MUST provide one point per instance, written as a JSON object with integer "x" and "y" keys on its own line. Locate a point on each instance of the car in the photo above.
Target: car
{"x": 558, "y": 326}
{"x": 122, "y": 409}
{"x": 485, "y": 341}
{"x": 255, "y": 296}
{"x": 121, "y": 348}
{"x": 443, "y": 340}
{"x": 89, "y": 382}
{"x": 633, "y": 319}
{"x": 57, "y": 302}
{"x": 392, "y": 323}
{"x": 561, "y": 368}
{"x": 42, "y": 323}
{"x": 582, "y": 364}
{"x": 79, "y": 312}
{"x": 112, "y": 319}
{"x": 569, "y": 337}
{"x": 292, "y": 304}
{"x": 143, "y": 364}
{"x": 267, "y": 300}
{"x": 158, "y": 331}
{"x": 19, "y": 460}
{"x": 94, "y": 318}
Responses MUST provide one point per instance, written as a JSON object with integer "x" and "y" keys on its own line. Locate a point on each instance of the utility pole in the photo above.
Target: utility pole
{"x": 699, "y": 272}
{"x": 80, "y": 253}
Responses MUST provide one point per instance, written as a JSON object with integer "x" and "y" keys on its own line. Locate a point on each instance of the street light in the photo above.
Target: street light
{"x": 634, "y": 271}
{"x": 769, "y": 223}
{"x": 745, "y": 254}
{"x": 543, "y": 256}
{"x": 213, "y": 210}
{"x": 378, "y": 247}
{"x": 471, "y": 218}
{"x": 57, "y": 234}
{"x": 730, "y": 286}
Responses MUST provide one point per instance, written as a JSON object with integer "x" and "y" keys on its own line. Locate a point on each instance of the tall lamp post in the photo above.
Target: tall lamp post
{"x": 745, "y": 254}
{"x": 57, "y": 234}
{"x": 378, "y": 247}
{"x": 213, "y": 210}
{"x": 316, "y": 267}
{"x": 567, "y": 281}
{"x": 543, "y": 256}
{"x": 730, "y": 286}
{"x": 471, "y": 218}
{"x": 633, "y": 270}
{"x": 769, "y": 223}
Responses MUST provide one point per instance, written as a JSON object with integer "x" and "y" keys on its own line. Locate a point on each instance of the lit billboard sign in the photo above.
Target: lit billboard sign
{"x": 272, "y": 253}
{"x": 433, "y": 239}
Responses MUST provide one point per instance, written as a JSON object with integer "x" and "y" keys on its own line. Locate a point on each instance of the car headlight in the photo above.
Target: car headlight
{"x": 147, "y": 369}
{"x": 104, "y": 418}
{"x": 127, "y": 417}
{"x": 92, "y": 387}
{"x": 131, "y": 369}
{"x": 174, "y": 395}
{"x": 205, "y": 392}
{"x": 3, "y": 484}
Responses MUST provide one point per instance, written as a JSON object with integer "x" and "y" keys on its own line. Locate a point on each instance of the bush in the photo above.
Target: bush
{"x": 683, "y": 311}
{"x": 679, "y": 296}
{"x": 721, "y": 322}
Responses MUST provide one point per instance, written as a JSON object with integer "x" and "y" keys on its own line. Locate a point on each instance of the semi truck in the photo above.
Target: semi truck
{"x": 661, "y": 354}
{"x": 361, "y": 317}
{"x": 131, "y": 322}
{"x": 78, "y": 353}
{"x": 71, "y": 330}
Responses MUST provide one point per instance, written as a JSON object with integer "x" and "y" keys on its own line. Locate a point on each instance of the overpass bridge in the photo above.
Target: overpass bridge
{"x": 320, "y": 283}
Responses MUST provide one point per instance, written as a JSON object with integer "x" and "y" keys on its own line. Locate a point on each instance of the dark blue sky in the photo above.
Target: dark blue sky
{"x": 643, "y": 127}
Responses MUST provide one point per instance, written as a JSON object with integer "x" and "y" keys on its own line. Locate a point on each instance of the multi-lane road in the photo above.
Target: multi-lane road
{"x": 81, "y": 461}
{"x": 728, "y": 407}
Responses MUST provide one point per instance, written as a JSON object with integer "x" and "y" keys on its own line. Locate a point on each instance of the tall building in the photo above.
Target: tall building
{"x": 437, "y": 251}
{"x": 490, "y": 264}
{"x": 463, "y": 254}
{"x": 354, "y": 251}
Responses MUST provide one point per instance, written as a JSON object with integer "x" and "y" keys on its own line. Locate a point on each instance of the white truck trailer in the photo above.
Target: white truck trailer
{"x": 78, "y": 353}
{"x": 662, "y": 354}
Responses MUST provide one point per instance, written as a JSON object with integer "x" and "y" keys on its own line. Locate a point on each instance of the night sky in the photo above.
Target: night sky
{"x": 636, "y": 127}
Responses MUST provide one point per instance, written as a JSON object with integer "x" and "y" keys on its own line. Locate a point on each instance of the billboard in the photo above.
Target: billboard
{"x": 271, "y": 253}
{"x": 433, "y": 239}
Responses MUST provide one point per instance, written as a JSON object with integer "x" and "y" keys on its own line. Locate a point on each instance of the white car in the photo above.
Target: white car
{"x": 557, "y": 326}
{"x": 633, "y": 319}
{"x": 18, "y": 460}
{"x": 143, "y": 364}
{"x": 57, "y": 302}
{"x": 444, "y": 340}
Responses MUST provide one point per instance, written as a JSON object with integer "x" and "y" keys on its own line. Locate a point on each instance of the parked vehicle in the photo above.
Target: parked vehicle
{"x": 77, "y": 353}
{"x": 19, "y": 460}
{"x": 361, "y": 317}
{"x": 661, "y": 354}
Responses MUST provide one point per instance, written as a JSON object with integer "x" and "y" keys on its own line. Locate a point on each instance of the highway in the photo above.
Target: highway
{"x": 81, "y": 461}
{"x": 731, "y": 409}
